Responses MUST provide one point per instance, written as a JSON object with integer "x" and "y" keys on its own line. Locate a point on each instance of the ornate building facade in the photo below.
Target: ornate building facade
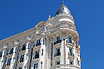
{"x": 51, "y": 44}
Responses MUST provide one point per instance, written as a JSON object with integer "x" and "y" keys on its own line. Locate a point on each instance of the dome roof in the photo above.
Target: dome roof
{"x": 63, "y": 10}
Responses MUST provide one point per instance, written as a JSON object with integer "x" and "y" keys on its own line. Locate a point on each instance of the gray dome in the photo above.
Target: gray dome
{"x": 63, "y": 10}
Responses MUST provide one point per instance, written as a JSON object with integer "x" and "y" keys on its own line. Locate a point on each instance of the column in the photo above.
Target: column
{"x": 27, "y": 56}
{"x": 14, "y": 58}
{"x": 3, "y": 59}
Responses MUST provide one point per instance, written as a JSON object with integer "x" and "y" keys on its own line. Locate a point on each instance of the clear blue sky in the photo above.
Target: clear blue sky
{"x": 19, "y": 15}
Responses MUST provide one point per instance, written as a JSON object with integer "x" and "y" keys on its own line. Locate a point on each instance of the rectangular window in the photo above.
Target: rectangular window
{"x": 57, "y": 62}
{"x": 8, "y": 62}
{"x": 70, "y": 40}
{"x": 57, "y": 41}
{"x": 24, "y": 47}
{"x": 36, "y": 54}
{"x": 42, "y": 52}
{"x": 20, "y": 67}
{"x": 41, "y": 65}
{"x": 11, "y": 51}
{"x": 38, "y": 42}
{"x": 1, "y": 54}
{"x": 43, "y": 41}
{"x": 36, "y": 66}
{"x": 71, "y": 62}
{"x": 57, "y": 52}
{"x": 21, "y": 59}
{"x": 71, "y": 51}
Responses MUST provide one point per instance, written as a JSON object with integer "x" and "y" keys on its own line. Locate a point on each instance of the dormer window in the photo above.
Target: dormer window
{"x": 11, "y": 51}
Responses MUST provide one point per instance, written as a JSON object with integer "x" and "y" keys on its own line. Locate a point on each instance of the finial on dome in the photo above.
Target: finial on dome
{"x": 62, "y": 2}
{"x": 63, "y": 10}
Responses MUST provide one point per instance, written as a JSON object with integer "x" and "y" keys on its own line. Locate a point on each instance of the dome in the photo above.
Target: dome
{"x": 63, "y": 10}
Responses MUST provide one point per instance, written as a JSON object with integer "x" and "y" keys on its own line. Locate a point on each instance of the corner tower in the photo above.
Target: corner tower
{"x": 64, "y": 50}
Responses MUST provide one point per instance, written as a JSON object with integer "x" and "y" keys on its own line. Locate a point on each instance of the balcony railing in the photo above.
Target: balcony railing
{"x": 59, "y": 41}
{"x": 57, "y": 54}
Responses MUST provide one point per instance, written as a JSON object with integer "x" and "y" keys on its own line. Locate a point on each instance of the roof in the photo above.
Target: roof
{"x": 63, "y": 10}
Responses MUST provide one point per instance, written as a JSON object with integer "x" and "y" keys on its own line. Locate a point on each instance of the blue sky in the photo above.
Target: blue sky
{"x": 20, "y": 15}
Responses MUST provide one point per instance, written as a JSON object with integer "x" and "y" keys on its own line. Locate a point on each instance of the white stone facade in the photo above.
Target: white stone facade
{"x": 51, "y": 44}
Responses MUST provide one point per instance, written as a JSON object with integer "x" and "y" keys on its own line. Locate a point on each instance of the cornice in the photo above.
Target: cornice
{"x": 17, "y": 36}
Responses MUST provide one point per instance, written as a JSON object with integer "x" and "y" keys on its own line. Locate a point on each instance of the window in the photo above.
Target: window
{"x": 26, "y": 56}
{"x": 24, "y": 47}
{"x": 11, "y": 51}
{"x": 43, "y": 41}
{"x": 78, "y": 62}
{"x": 28, "y": 46}
{"x": 25, "y": 67}
{"x": 20, "y": 67}
{"x": 21, "y": 59}
{"x": 57, "y": 62}
{"x": 36, "y": 66}
{"x": 38, "y": 42}
{"x": 57, "y": 41}
{"x": 71, "y": 51}
{"x": 15, "y": 50}
{"x": 70, "y": 40}
{"x": 57, "y": 52}
{"x": 13, "y": 59}
{"x": 1, "y": 54}
{"x": 41, "y": 65}
{"x": 42, "y": 52}
{"x": 36, "y": 54}
{"x": 71, "y": 62}
{"x": 8, "y": 62}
